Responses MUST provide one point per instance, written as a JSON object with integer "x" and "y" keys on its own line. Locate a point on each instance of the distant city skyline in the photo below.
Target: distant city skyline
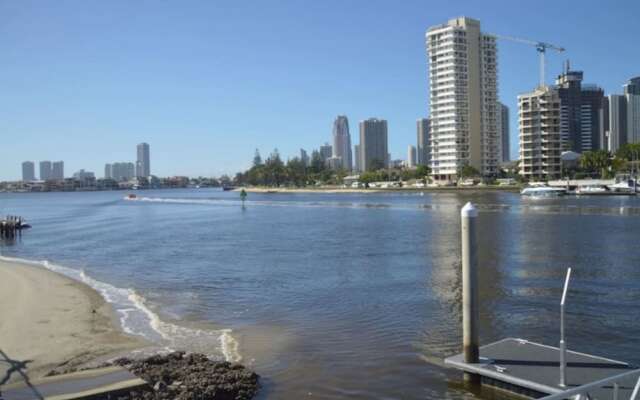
{"x": 203, "y": 93}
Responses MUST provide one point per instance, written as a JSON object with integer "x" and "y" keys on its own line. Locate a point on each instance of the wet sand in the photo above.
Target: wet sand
{"x": 49, "y": 321}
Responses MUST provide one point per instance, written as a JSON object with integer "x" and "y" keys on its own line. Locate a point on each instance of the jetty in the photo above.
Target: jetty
{"x": 528, "y": 369}
{"x": 12, "y": 226}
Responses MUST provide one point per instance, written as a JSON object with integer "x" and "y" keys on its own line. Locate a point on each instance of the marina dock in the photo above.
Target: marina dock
{"x": 533, "y": 370}
{"x": 525, "y": 368}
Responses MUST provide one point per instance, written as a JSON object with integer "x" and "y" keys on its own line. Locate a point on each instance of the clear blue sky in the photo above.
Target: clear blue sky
{"x": 207, "y": 82}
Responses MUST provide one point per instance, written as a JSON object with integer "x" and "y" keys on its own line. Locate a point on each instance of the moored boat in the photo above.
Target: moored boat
{"x": 543, "y": 191}
{"x": 592, "y": 190}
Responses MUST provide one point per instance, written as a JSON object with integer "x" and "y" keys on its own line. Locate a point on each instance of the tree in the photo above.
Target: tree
{"x": 257, "y": 160}
{"x": 296, "y": 172}
{"x": 317, "y": 163}
{"x": 597, "y": 161}
{"x": 469, "y": 172}
{"x": 627, "y": 157}
{"x": 422, "y": 171}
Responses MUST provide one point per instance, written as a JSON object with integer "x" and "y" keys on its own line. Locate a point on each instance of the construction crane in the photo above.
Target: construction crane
{"x": 541, "y": 47}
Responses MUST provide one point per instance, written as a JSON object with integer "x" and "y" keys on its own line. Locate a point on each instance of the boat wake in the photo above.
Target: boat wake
{"x": 535, "y": 206}
{"x": 137, "y": 318}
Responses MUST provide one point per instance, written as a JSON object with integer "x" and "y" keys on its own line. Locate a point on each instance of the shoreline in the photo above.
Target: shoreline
{"x": 51, "y": 322}
{"x": 339, "y": 190}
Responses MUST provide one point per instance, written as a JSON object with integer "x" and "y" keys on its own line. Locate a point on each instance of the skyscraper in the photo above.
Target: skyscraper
{"x": 45, "y": 170}
{"x": 540, "y": 141}
{"x": 28, "y": 171}
{"x": 423, "y": 150}
{"x": 108, "y": 171}
{"x": 57, "y": 170}
{"x": 504, "y": 131}
{"x": 357, "y": 167}
{"x": 143, "y": 165}
{"x": 632, "y": 96}
{"x": 325, "y": 152}
{"x": 617, "y": 122}
{"x": 633, "y": 117}
{"x": 411, "y": 156}
{"x": 342, "y": 141}
{"x": 463, "y": 99}
{"x": 579, "y": 112}
{"x": 633, "y": 86}
{"x": 373, "y": 144}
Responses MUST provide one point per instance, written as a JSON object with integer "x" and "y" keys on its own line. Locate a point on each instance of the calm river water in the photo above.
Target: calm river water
{"x": 338, "y": 296}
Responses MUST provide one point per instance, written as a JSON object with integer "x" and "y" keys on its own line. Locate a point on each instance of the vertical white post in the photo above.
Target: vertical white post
{"x": 563, "y": 343}
{"x": 636, "y": 389}
{"x": 469, "y": 215}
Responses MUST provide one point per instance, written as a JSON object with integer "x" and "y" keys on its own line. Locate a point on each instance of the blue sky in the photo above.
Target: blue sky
{"x": 207, "y": 82}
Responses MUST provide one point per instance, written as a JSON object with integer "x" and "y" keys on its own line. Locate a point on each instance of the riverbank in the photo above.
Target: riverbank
{"x": 51, "y": 322}
{"x": 337, "y": 189}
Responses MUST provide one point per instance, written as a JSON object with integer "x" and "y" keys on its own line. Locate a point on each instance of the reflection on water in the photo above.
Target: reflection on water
{"x": 353, "y": 295}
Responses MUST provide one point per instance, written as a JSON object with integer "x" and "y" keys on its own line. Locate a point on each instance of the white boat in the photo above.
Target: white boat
{"x": 624, "y": 184}
{"x": 543, "y": 191}
{"x": 592, "y": 189}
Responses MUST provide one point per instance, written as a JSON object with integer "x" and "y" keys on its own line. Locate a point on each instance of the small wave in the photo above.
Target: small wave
{"x": 137, "y": 318}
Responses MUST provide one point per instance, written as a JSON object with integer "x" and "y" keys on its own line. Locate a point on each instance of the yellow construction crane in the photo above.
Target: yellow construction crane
{"x": 541, "y": 47}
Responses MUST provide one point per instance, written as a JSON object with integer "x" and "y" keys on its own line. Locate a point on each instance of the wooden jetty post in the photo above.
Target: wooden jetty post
{"x": 12, "y": 226}
{"x": 470, "y": 311}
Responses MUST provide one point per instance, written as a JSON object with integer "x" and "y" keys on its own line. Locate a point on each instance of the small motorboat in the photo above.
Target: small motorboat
{"x": 543, "y": 191}
{"x": 131, "y": 196}
{"x": 227, "y": 188}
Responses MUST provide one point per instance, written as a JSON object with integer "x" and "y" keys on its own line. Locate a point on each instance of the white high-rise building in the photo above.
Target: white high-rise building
{"x": 342, "y": 142}
{"x": 463, "y": 98}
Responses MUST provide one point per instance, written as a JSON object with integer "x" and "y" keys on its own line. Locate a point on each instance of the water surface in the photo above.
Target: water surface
{"x": 339, "y": 296}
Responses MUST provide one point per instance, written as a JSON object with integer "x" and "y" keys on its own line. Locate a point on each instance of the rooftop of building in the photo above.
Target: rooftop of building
{"x": 459, "y": 22}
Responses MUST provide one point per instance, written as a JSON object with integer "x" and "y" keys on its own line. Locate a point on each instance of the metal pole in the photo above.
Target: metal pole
{"x": 563, "y": 344}
{"x": 636, "y": 389}
{"x": 469, "y": 215}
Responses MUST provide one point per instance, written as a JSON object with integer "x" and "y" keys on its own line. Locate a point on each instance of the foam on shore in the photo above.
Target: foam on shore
{"x": 137, "y": 318}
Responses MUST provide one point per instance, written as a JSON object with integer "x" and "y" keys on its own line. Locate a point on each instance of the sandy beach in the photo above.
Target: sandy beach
{"x": 49, "y": 321}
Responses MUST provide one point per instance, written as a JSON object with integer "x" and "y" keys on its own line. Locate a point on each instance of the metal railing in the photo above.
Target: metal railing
{"x": 583, "y": 392}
